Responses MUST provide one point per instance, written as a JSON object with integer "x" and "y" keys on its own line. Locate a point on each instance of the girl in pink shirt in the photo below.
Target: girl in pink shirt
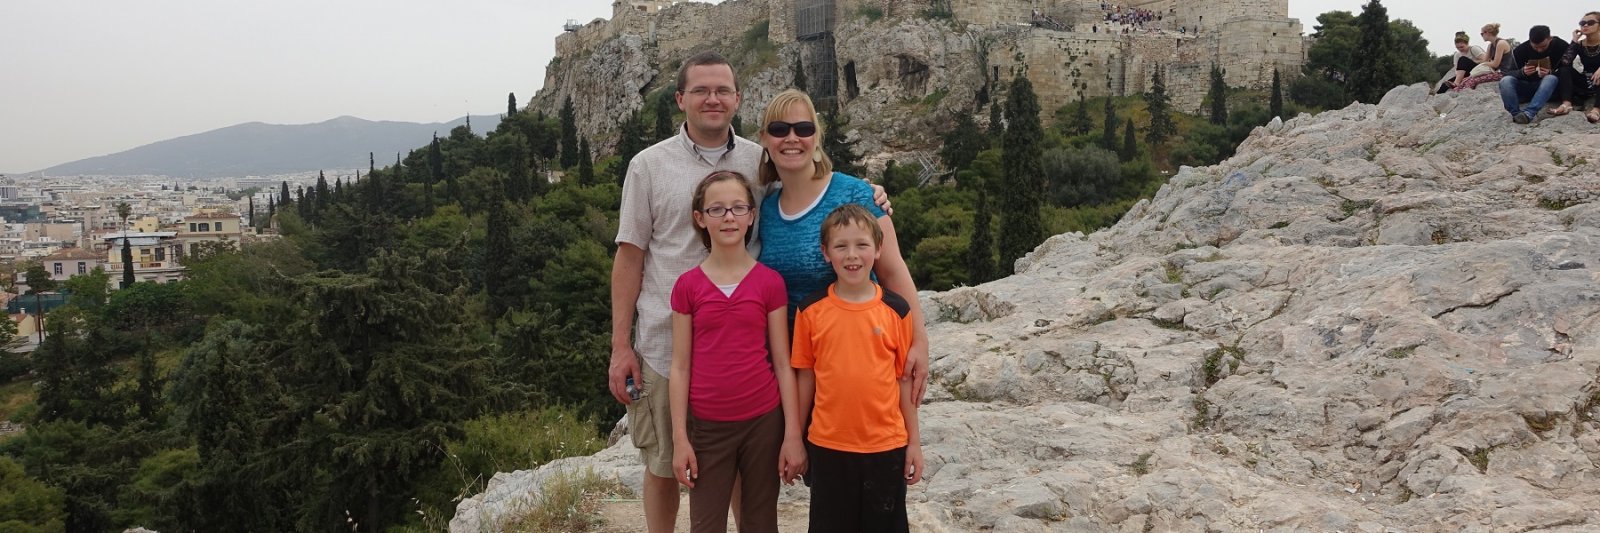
{"x": 734, "y": 409}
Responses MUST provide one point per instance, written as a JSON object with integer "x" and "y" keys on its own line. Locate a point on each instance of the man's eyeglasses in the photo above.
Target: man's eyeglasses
{"x": 720, "y": 92}
{"x": 802, "y": 129}
{"x": 1587, "y": 22}
{"x": 718, "y": 211}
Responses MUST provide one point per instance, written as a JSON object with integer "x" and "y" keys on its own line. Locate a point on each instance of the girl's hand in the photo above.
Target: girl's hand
{"x": 791, "y": 461}
{"x": 684, "y": 465}
{"x": 913, "y": 464}
{"x": 1595, "y": 78}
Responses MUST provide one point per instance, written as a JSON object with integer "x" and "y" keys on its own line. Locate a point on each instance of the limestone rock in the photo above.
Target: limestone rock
{"x": 1372, "y": 319}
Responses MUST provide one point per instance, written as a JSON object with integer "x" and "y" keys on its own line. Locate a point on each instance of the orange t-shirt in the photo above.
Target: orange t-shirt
{"x": 858, "y": 352}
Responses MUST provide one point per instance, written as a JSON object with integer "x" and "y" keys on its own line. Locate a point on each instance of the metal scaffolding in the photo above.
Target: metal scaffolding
{"x": 814, "y": 21}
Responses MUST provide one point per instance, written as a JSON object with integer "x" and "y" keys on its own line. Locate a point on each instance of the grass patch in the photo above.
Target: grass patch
{"x": 569, "y": 502}
{"x": 1211, "y": 368}
{"x": 1141, "y": 466}
{"x": 1440, "y": 236}
{"x": 1534, "y": 179}
{"x": 1350, "y": 207}
{"x": 934, "y": 98}
{"x": 14, "y": 397}
{"x": 1480, "y": 459}
{"x": 1279, "y": 225}
{"x": 1401, "y": 353}
{"x": 1555, "y": 205}
{"x": 1202, "y": 412}
{"x": 1541, "y": 424}
{"x": 1174, "y": 274}
{"x": 1169, "y": 324}
{"x": 870, "y": 12}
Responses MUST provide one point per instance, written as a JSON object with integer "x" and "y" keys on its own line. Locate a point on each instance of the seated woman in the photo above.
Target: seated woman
{"x": 1497, "y": 57}
{"x": 1466, "y": 58}
{"x": 1579, "y": 83}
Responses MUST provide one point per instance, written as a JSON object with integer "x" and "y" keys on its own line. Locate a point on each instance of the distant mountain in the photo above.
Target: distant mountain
{"x": 259, "y": 149}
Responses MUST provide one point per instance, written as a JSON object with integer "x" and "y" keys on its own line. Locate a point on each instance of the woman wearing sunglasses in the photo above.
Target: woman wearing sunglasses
{"x": 791, "y": 214}
{"x": 1582, "y": 84}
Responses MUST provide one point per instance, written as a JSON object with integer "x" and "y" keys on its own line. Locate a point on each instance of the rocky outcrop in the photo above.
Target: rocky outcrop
{"x": 1380, "y": 318}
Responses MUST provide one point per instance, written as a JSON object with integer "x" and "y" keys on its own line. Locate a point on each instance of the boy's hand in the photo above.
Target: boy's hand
{"x": 792, "y": 461}
{"x": 913, "y": 464}
{"x": 684, "y": 465}
{"x": 1528, "y": 70}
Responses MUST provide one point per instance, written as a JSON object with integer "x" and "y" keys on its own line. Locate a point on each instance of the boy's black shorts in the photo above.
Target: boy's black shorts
{"x": 857, "y": 492}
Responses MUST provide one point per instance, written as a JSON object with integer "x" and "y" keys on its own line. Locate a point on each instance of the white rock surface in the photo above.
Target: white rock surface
{"x": 1381, "y": 318}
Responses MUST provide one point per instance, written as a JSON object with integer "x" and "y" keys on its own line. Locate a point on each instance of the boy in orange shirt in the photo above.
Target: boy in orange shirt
{"x": 850, "y": 344}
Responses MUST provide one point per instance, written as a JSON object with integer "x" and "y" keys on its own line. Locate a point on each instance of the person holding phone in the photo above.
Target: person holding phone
{"x": 1538, "y": 78}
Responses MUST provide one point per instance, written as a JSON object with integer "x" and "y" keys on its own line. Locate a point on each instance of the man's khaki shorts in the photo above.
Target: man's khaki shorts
{"x": 650, "y": 423}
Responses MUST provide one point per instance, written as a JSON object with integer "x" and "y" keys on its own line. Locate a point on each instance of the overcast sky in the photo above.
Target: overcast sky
{"x": 80, "y": 78}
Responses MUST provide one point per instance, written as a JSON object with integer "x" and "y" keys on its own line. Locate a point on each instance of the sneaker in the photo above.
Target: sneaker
{"x": 1521, "y": 118}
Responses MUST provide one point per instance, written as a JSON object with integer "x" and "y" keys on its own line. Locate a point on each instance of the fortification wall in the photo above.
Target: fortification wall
{"x": 689, "y": 26}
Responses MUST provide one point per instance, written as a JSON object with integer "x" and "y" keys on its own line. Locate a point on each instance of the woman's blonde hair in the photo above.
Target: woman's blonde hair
{"x": 779, "y": 106}
{"x": 1492, "y": 28}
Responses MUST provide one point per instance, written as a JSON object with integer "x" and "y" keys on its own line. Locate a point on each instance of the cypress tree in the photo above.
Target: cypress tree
{"x": 300, "y": 203}
{"x": 322, "y": 196}
{"x": 1218, "y": 96}
{"x": 499, "y": 270}
{"x": 283, "y": 193}
{"x": 511, "y": 105}
{"x": 1023, "y": 189}
{"x": 1160, "y": 106}
{"x": 799, "y": 74}
{"x": 664, "y": 106}
{"x": 1372, "y": 69}
{"x": 842, "y": 152}
{"x": 585, "y": 163}
{"x": 1108, "y": 135}
{"x": 127, "y": 264}
{"x": 338, "y": 190}
{"x": 632, "y": 142}
{"x": 962, "y": 144}
{"x": 251, "y": 216}
{"x": 272, "y": 211}
{"x": 1276, "y": 106}
{"x": 1081, "y": 123}
{"x": 569, "y": 134}
{"x": 435, "y": 169}
{"x": 997, "y": 126}
{"x": 980, "y": 249}
{"x": 1130, "y": 146}
{"x": 372, "y": 164}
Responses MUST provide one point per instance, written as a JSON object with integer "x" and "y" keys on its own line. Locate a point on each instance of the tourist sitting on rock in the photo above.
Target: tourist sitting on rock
{"x": 1538, "y": 79}
{"x": 1497, "y": 58}
{"x": 1580, "y": 68}
{"x": 1464, "y": 63}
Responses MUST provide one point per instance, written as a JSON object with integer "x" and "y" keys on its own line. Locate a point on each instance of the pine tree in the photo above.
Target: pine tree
{"x": 499, "y": 268}
{"x": 511, "y": 105}
{"x": 569, "y": 134}
{"x": 799, "y": 74}
{"x": 1160, "y": 106}
{"x": 1373, "y": 71}
{"x": 585, "y": 163}
{"x": 1023, "y": 189}
{"x": 1218, "y": 96}
{"x": 664, "y": 106}
{"x": 980, "y": 249}
{"x": 1081, "y": 123}
{"x": 632, "y": 142}
{"x": 1276, "y": 106}
{"x": 1130, "y": 146}
{"x": 1108, "y": 134}
{"x": 841, "y": 151}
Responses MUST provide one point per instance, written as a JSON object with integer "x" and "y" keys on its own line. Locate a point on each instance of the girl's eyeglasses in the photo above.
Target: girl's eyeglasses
{"x": 718, "y": 211}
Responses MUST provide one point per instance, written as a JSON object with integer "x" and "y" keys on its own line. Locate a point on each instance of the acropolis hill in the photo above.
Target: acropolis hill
{"x": 901, "y": 69}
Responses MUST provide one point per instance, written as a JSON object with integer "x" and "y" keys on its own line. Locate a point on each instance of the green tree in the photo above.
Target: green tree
{"x": 127, "y": 264}
{"x": 799, "y": 74}
{"x": 1130, "y": 146}
{"x": 88, "y": 291}
{"x": 323, "y": 196}
{"x": 1081, "y": 124}
{"x": 435, "y": 172}
{"x": 1108, "y": 132}
{"x": 511, "y": 104}
{"x": 980, "y": 247}
{"x": 1022, "y": 192}
{"x": 1275, "y": 106}
{"x": 26, "y": 505}
{"x": 39, "y": 282}
{"x": 836, "y": 145}
{"x": 1217, "y": 96}
{"x": 569, "y": 134}
{"x": 962, "y": 144}
{"x": 283, "y": 193}
{"x": 1159, "y": 105}
{"x": 499, "y": 273}
{"x": 1372, "y": 67}
{"x": 632, "y": 141}
{"x": 1081, "y": 176}
{"x": 997, "y": 125}
{"x": 585, "y": 163}
{"x": 75, "y": 374}
{"x": 664, "y": 106}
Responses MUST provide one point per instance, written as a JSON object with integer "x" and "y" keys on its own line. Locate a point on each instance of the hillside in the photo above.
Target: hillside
{"x": 259, "y": 149}
{"x": 1380, "y": 318}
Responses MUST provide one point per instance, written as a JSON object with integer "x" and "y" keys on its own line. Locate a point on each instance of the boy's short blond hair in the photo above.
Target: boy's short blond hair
{"x": 849, "y": 214}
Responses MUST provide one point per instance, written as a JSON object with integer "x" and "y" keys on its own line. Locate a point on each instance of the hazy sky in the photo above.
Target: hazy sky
{"x": 81, "y": 78}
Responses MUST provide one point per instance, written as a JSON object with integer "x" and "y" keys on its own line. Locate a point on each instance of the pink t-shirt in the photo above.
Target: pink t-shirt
{"x": 730, "y": 375}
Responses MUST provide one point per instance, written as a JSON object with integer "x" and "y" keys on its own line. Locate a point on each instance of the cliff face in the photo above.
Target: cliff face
{"x": 1377, "y": 318}
{"x": 903, "y": 75}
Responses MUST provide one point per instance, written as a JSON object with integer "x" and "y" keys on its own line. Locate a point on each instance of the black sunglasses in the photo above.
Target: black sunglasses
{"x": 804, "y": 129}
{"x": 1587, "y": 22}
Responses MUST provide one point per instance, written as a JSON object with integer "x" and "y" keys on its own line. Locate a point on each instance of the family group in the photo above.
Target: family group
{"x": 765, "y": 328}
{"x": 1531, "y": 74}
